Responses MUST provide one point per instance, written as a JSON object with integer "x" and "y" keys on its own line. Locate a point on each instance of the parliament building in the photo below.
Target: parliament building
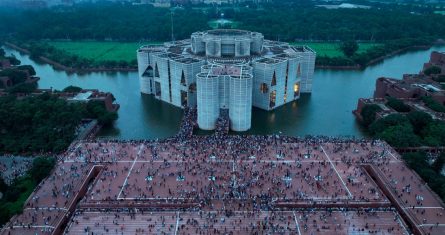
{"x": 226, "y": 69}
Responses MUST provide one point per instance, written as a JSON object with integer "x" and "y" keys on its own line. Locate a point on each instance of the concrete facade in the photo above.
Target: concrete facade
{"x": 240, "y": 102}
{"x": 208, "y": 102}
{"x": 226, "y": 69}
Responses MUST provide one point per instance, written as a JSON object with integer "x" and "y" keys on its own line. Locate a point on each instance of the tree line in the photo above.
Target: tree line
{"x": 12, "y": 59}
{"x": 352, "y": 58}
{"x": 408, "y": 128}
{"x": 285, "y": 22}
{"x": 44, "y": 123}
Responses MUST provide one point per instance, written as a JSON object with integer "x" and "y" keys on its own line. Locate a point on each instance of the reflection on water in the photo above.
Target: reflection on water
{"x": 154, "y": 116}
{"x": 327, "y": 111}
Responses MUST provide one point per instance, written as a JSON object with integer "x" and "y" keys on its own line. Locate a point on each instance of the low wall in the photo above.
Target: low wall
{"x": 136, "y": 204}
{"x": 60, "y": 226}
{"x": 399, "y": 205}
{"x": 332, "y": 204}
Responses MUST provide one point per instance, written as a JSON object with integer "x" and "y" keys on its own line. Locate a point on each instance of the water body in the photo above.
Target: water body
{"x": 327, "y": 111}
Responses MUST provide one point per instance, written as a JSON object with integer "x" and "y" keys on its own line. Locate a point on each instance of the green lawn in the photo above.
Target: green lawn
{"x": 115, "y": 51}
{"x": 101, "y": 51}
{"x": 331, "y": 49}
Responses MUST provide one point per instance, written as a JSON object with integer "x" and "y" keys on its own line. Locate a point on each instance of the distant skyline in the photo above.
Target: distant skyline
{"x": 167, "y": 3}
{"x": 50, "y": 2}
{"x": 69, "y": 2}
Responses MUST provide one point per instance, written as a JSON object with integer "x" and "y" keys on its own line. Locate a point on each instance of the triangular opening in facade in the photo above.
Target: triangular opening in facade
{"x": 148, "y": 72}
{"x": 183, "y": 78}
{"x": 156, "y": 70}
{"x": 274, "y": 79}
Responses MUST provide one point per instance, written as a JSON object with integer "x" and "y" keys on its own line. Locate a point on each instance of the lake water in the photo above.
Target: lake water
{"x": 327, "y": 111}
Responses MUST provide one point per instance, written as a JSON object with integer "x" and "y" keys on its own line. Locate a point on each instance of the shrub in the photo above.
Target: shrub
{"x": 41, "y": 167}
{"x": 432, "y": 104}
{"x": 368, "y": 113}
{"x": 432, "y": 70}
{"x": 72, "y": 89}
{"x": 419, "y": 120}
{"x": 397, "y": 105}
{"x": 400, "y": 136}
{"x": 388, "y": 121}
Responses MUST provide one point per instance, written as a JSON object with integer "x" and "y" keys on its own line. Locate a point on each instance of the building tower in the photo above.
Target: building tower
{"x": 226, "y": 69}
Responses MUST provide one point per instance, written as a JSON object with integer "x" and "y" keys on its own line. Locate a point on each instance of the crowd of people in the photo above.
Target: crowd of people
{"x": 313, "y": 221}
{"x": 12, "y": 167}
{"x": 223, "y": 123}
{"x": 232, "y": 173}
{"x": 221, "y": 175}
{"x": 188, "y": 124}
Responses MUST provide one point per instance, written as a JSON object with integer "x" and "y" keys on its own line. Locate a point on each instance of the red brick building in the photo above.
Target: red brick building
{"x": 411, "y": 86}
{"x": 436, "y": 59}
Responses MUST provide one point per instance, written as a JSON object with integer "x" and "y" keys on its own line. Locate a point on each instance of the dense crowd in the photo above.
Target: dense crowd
{"x": 221, "y": 175}
{"x": 188, "y": 124}
{"x": 12, "y": 167}
{"x": 343, "y": 221}
{"x": 222, "y": 123}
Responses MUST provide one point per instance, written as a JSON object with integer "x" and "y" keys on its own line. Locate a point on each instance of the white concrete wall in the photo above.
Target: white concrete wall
{"x": 240, "y": 103}
{"x": 207, "y": 101}
{"x": 143, "y": 58}
{"x": 307, "y": 70}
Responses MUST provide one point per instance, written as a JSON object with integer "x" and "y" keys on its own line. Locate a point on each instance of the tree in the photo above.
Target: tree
{"x": 36, "y": 51}
{"x": 15, "y": 75}
{"x": 438, "y": 163}
{"x": 419, "y": 162}
{"x": 28, "y": 68}
{"x": 13, "y": 192}
{"x": 432, "y": 70}
{"x": 397, "y": 105}
{"x": 23, "y": 88}
{"x": 432, "y": 104}
{"x": 16, "y": 194}
{"x": 349, "y": 48}
{"x": 14, "y": 61}
{"x": 41, "y": 167}
{"x": 440, "y": 78}
{"x": 434, "y": 133}
{"x": 96, "y": 109}
{"x": 5, "y": 214}
{"x": 107, "y": 118}
{"x": 3, "y": 185}
{"x": 419, "y": 120}
{"x": 388, "y": 121}
{"x": 368, "y": 113}
{"x": 73, "y": 89}
{"x": 44, "y": 123}
{"x": 400, "y": 136}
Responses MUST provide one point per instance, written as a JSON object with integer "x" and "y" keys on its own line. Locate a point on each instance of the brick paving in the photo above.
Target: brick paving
{"x": 231, "y": 185}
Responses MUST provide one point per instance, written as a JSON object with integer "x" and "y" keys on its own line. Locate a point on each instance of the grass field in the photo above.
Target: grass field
{"x": 101, "y": 51}
{"x": 116, "y": 51}
{"x": 331, "y": 49}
